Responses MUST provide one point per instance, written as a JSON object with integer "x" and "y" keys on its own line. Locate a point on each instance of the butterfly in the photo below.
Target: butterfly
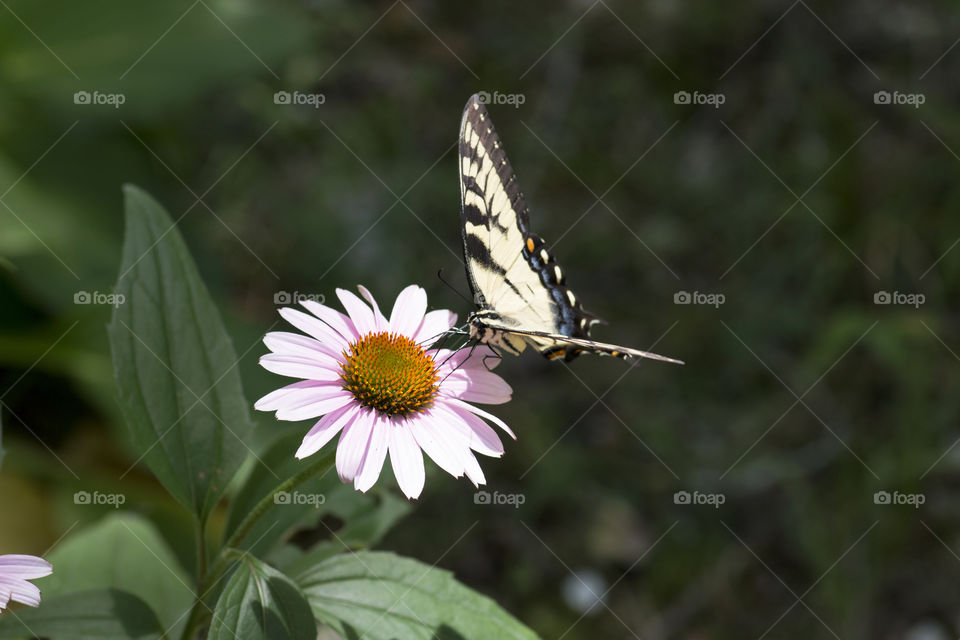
{"x": 517, "y": 285}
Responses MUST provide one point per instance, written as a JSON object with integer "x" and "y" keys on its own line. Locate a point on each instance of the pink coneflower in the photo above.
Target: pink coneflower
{"x": 15, "y": 570}
{"x": 376, "y": 383}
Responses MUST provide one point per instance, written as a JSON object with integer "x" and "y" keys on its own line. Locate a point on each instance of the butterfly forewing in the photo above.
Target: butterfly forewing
{"x": 510, "y": 270}
{"x": 495, "y": 220}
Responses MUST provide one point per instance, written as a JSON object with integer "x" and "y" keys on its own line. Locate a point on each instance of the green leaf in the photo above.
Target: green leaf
{"x": 126, "y": 552}
{"x": 104, "y": 614}
{"x": 175, "y": 365}
{"x": 261, "y": 602}
{"x": 381, "y": 596}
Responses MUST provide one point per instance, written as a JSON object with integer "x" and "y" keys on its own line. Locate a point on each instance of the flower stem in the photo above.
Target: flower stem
{"x": 201, "y": 612}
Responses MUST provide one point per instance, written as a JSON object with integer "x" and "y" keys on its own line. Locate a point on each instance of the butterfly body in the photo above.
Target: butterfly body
{"x": 517, "y": 284}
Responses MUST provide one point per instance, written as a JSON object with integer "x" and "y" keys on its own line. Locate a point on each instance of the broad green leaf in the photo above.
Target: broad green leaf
{"x": 101, "y": 614}
{"x": 175, "y": 366}
{"x": 123, "y": 551}
{"x": 261, "y": 602}
{"x": 382, "y": 596}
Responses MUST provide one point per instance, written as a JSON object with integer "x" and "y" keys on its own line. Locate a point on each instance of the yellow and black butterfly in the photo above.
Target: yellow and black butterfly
{"x": 516, "y": 282}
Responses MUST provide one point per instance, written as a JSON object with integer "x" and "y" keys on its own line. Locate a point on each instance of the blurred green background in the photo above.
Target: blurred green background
{"x": 798, "y": 199}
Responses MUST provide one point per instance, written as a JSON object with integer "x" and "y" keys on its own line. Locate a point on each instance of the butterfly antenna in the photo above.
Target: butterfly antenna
{"x": 451, "y": 287}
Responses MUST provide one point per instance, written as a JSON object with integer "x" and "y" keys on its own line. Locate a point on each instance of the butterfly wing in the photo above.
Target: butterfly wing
{"x": 516, "y": 282}
{"x": 511, "y": 271}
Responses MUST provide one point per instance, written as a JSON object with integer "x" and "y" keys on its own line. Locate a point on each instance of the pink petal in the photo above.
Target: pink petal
{"x": 376, "y": 453}
{"x": 298, "y": 367}
{"x": 334, "y": 342}
{"x": 408, "y": 311}
{"x": 478, "y": 435}
{"x": 480, "y": 412}
{"x": 20, "y": 591}
{"x": 28, "y": 595}
{"x": 325, "y": 429}
{"x": 456, "y": 445}
{"x": 353, "y": 445}
{"x": 360, "y": 313}
{"x": 472, "y": 469}
{"x": 315, "y": 407}
{"x": 296, "y": 344}
{"x": 4, "y": 598}
{"x": 476, "y": 386}
{"x": 382, "y": 324}
{"x": 434, "y": 446}
{"x": 434, "y": 325}
{"x": 26, "y": 567}
{"x": 407, "y": 461}
{"x": 276, "y": 399}
{"x": 338, "y": 321}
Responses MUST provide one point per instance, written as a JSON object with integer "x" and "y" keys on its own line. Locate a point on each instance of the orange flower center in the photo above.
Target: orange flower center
{"x": 390, "y": 373}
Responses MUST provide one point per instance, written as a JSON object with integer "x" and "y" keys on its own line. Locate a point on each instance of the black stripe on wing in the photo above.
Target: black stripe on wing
{"x": 489, "y": 149}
